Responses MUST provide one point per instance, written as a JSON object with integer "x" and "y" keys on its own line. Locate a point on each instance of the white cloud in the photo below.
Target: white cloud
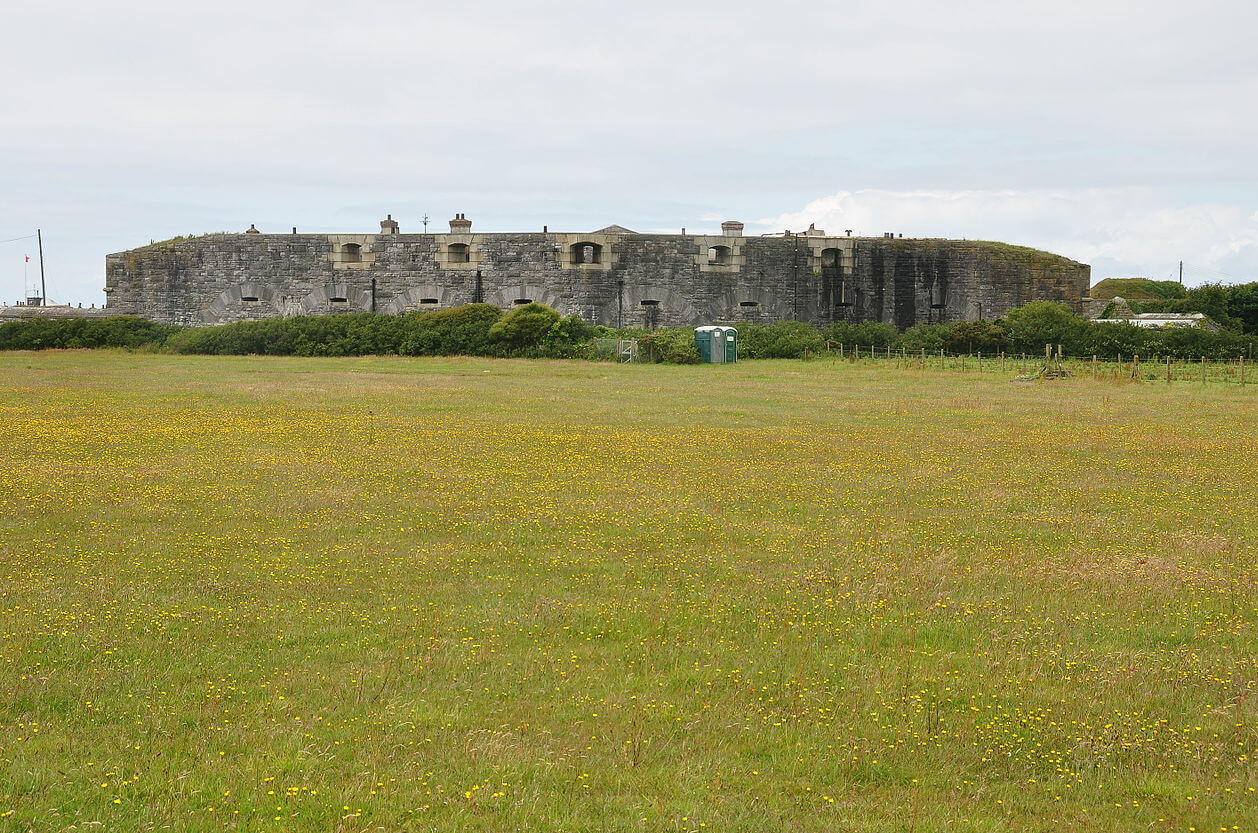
{"x": 1120, "y": 231}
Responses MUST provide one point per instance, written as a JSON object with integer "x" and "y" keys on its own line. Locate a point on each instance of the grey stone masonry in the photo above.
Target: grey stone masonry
{"x": 610, "y": 277}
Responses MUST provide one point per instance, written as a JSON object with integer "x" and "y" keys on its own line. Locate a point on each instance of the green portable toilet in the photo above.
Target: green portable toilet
{"x": 717, "y": 345}
{"x": 731, "y": 344}
{"x": 703, "y": 343}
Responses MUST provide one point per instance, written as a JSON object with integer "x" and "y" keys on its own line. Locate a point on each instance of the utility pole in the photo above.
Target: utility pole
{"x": 43, "y": 287}
{"x": 425, "y": 222}
{"x": 1181, "y": 273}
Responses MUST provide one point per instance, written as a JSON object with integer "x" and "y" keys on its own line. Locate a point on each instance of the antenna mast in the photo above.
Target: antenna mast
{"x": 43, "y": 287}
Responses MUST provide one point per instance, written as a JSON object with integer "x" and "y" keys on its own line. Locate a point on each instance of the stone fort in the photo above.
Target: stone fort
{"x": 612, "y": 276}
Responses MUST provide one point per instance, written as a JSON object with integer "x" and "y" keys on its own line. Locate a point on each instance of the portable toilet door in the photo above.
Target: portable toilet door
{"x": 729, "y": 345}
{"x": 703, "y": 341}
{"x": 717, "y": 356}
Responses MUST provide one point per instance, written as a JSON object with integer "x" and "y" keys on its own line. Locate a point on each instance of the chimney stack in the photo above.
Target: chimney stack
{"x": 732, "y": 228}
{"x": 388, "y": 225}
{"x": 460, "y": 225}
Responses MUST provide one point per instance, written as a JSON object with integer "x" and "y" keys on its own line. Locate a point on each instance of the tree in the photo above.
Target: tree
{"x": 1242, "y": 303}
{"x": 1043, "y": 322}
{"x": 1211, "y": 299}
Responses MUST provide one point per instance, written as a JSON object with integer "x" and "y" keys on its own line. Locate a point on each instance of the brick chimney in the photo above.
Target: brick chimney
{"x": 732, "y": 228}
{"x": 460, "y": 225}
{"x": 388, "y": 225}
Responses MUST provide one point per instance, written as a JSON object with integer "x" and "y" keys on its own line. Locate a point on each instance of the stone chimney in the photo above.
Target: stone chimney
{"x": 460, "y": 225}
{"x": 388, "y": 225}
{"x": 252, "y": 229}
{"x": 732, "y": 228}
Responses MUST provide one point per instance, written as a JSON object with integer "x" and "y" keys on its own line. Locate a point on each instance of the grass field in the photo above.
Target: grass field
{"x": 489, "y": 595}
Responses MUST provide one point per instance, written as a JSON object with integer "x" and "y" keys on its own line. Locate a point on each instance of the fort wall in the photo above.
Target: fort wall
{"x": 612, "y": 277}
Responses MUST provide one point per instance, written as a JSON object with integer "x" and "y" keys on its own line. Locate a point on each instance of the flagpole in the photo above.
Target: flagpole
{"x": 43, "y": 288}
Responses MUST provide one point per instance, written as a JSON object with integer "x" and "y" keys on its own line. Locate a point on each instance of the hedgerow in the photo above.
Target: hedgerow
{"x": 537, "y": 331}
{"x": 75, "y": 333}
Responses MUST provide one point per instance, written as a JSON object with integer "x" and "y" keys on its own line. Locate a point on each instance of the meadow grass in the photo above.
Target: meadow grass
{"x": 369, "y": 594}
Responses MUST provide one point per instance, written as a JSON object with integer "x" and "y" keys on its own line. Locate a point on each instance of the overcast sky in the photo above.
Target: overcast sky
{"x": 1123, "y": 134}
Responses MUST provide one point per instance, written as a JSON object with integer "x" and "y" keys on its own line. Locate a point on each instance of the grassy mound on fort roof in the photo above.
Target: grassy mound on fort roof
{"x": 1137, "y": 289}
{"x": 1022, "y": 252}
{"x": 310, "y": 594}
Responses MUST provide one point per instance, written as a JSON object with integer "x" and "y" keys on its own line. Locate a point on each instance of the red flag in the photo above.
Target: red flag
{"x": 28, "y": 258}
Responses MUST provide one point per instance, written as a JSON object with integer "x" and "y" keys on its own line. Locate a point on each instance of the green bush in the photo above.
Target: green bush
{"x": 73, "y": 333}
{"x": 473, "y": 330}
{"x": 571, "y": 338}
{"x": 524, "y": 326}
{"x": 352, "y": 334}
{"x": 572, "y": 329}
{"x": 929, "y": 337}
{"x": 978, "y": 337}
{"x": 783, "y": 340}
{"x": 863, "y": 333}
{"x": 1038, "y": 323}
{"x": 450, "y": 332}
{"x": 270, "y": 337}
{"x": 1113, "y": 339}
{"x": 671, "y": 346}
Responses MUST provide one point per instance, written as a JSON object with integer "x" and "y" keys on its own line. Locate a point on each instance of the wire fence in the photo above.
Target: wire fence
{"x": 1238, "y": 371}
